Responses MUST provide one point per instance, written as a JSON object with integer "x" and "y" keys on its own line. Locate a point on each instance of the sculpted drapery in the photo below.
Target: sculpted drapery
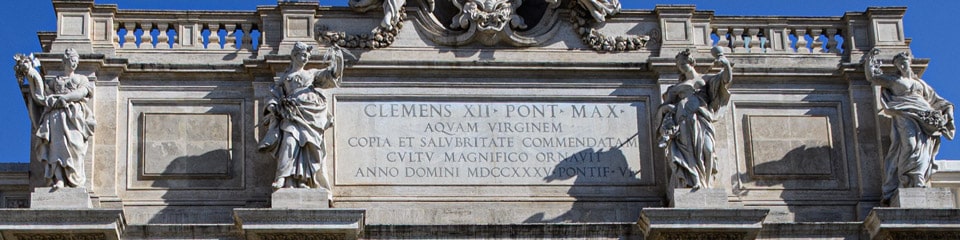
{"x": 296, "y": 117}
{"x": 66, "y": 122}
{"x": 919, "y": 117}
{"x": 687, "y": 114}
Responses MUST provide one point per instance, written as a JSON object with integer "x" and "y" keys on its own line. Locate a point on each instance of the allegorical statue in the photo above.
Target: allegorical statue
{"x": 66, "y": 123}
{"x": 919, "y": 117}
{"x": 687, "y": 114}
{"x": 296, "y": 116}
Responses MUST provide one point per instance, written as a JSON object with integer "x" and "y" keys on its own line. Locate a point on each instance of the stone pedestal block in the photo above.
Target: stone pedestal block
{"x": 700, "y": 198}
{"x": 300, "y": 198}
{"x": 923, "y": 198}
{"x": 701, "y": 223}
{"x": 18, "y": 224}
{"x": 265, "y": 223}
{"x": 60, "y": 198}
{"x": 913, "y": 223}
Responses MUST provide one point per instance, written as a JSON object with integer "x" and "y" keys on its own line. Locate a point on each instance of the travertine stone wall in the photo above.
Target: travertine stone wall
{"x": 429, "y": 133}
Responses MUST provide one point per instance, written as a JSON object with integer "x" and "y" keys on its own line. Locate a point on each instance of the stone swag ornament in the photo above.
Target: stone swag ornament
{"x": 919, "y": 117}
{"x": 686, "y": 119}
{"x": 66, "y": 123}
{"x": 296, "y": 117}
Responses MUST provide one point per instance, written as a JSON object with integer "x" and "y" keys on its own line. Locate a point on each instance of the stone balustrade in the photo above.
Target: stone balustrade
{"x": 808, "y": 35}
{"x": 136, "y": 29}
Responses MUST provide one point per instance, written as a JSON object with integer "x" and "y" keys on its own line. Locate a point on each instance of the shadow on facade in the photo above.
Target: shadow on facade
{"x": 591, "y": 203}
{"x": 795, "y": 175}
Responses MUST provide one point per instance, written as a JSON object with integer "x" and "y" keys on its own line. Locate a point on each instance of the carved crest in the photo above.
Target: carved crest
{"x": 521, "y": 23}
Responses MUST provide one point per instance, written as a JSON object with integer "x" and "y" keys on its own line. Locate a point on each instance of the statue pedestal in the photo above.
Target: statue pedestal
{"x": 299, "y": 213}
{"x": 913, "y": 223}
{"x": 923, "y": 198}
{"x": 700, "y": 198}
{"x": 701, "y": 214}
{"x": 60, "y": 198}
{"x": 300, "y": 198}
{"x": 61, "y": 213}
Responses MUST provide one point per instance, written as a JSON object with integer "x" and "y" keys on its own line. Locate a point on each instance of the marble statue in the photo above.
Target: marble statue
{"x": 66, "y": 123}
{"x": 296, "y": 116}
{"x": 919, "y": 117}
{"x": 687, "y": 114}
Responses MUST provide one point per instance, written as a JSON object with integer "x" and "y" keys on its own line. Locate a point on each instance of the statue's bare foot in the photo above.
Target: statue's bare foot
{"x": 58, "y": 184}
{"x": 302, "y": 185}
{"x": 278, "y": 183}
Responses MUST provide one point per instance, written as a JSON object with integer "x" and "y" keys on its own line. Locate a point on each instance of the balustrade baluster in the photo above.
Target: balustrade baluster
{"x": 145, "y": 37}
{"x": 754, "y": 44}
{"x": 163, "y": 41}
{"x": 801, "y": 43}
{"x": 247, "y": 40}
{"x": 231, "y": 38}
{"x": 832, "y": 41}
{"x": 214, "y": 37}
{"x": 738, "y": 44}
{"x": 817, "y": 45}
{"x": 721, "y": 39}
{"x": 130, "y": 39}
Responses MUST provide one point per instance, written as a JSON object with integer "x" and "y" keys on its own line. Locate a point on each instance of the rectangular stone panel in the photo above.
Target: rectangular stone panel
{"x": 790, "y": 145}
{"x": 492, "y": 142}
{"x": 888, "y": 31}
{"x": 795, "y": 146}
{"x": 186, "y": 144}
{"x": 72, "y": 25}
{"x": 298, "y": 27}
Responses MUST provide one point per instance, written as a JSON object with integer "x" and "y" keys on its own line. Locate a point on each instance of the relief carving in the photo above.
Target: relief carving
{"x": 686, "y": 119}
{"x": 489, "y": 22}
{"x": 589, "y": 13}
{"x": 66, "y": 123}
{"x": 919, "y": 117}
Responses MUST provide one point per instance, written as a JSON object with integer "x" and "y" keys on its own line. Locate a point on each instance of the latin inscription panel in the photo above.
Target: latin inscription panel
{"x": 439, "y": 142}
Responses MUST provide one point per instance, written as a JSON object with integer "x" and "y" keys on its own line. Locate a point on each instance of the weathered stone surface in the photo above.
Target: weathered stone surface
{"x": 490, "y": 142}
{"x": 923, "y": 198}
{"x": 61, "y": 224}
{"x": 912, "y": 223}
{"x": 60, "y": 198}
{"x": 700, "y": 198}
{"x": 700, "y": 223}
{"x": 300, "y": 223}
{"x": 300, "y": 198}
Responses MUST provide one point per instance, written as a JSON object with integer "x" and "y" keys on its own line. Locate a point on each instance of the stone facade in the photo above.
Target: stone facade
{"x": 450, "y": 124}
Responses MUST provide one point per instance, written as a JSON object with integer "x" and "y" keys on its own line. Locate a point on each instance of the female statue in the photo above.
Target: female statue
{"x": 296, "y": 117}
{"x": 686, "y": 121}
{"x": 918, "y": 116}
{"x": 66, "y": 123}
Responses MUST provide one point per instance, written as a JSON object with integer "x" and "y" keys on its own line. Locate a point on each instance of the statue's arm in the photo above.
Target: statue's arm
{"x": 726, "y": 75}
{"x": 330, "y": 77}
{"x": 872, "y": 71}
{"x": 37, "y": 88}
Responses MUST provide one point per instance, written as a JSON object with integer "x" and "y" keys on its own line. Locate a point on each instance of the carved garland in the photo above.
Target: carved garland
{"x": 380, "y": 37}
{"x": 584, "y": 24}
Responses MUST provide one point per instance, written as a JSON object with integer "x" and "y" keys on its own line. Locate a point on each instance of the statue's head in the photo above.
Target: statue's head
{"x": 902, "y": 62}
{"x": 685, "y": 61}
{"x": 70, "y": 60}
{"x": 300, "y": 53}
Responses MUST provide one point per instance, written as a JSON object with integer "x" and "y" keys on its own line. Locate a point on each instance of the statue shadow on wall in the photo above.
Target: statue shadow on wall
{"x": 789, "y": 172}
{"x": 588, "y": 199}
{"x": 178, "y": 175}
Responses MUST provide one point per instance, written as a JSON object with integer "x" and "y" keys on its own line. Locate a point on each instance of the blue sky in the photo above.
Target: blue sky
{"x": 931, "y": 24}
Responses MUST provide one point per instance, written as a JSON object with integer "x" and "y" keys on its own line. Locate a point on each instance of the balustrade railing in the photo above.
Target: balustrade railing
{"x": 823, "y": 35}
{"x": 187, "y": 30}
